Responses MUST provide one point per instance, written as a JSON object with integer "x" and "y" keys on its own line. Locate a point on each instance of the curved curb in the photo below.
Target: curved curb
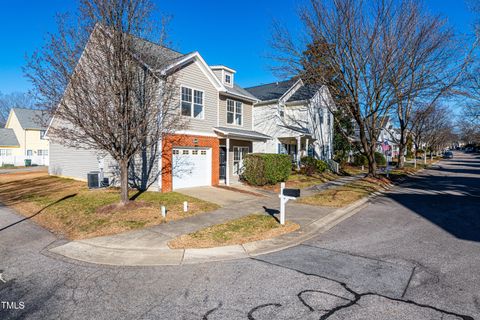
{"x": 163, "y": 256}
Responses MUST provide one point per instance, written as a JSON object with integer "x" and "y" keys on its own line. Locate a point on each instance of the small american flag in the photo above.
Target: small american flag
{"x": 385, "y": 146}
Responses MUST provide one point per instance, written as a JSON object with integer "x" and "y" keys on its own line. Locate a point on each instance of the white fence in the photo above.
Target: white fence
{"x": 20, "y": 160}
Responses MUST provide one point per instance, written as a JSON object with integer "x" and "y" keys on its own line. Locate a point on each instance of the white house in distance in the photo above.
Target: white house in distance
{"x": 390, "y": 135}
{"x": 27, "y": 127}
{"x": 296, "y": 116}
{"x": 224, "y": 124}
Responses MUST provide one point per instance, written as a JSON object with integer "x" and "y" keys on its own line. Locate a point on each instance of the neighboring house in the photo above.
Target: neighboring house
{"x": 8, "y": 146}
{"x": 390, "y": 135}
{"x": 298, "y": 118}
{"x": 28, "y": 127}
{"x": 222, "y": 126}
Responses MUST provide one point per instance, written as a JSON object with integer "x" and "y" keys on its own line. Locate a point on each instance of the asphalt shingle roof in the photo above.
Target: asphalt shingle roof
{"x": 305, "y": 92}
{"x": 271, "y": 91}
{"x": 237, "y": 90}
{"x": 8, "y": 138}
{"x": 154, "y": 55}
{"x": 241, "y": 132}
{"x": 32, "y": 119}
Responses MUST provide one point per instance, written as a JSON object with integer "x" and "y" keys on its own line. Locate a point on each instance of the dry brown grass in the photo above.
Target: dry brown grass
{"x": 347, "y": 194}
{"x": 68, "y": 208}
{"x": 301, "y": 181}
{"x": 250, "y": 228}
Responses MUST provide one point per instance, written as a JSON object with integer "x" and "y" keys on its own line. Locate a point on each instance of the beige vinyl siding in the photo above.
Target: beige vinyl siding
{"x": 218, "y": 74}
{"x": 193, "y": 77}
{"x": 70, "y": 162}
{"x": 246, "y": 116}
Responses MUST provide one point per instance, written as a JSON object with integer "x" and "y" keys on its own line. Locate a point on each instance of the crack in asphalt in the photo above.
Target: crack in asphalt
{"x": 250, "y": 313}
{"x": 299, "y": 295}
{"x": 408, "y": 282}
{"x": 205, "y": 316}
{"x": 351, "y": 302}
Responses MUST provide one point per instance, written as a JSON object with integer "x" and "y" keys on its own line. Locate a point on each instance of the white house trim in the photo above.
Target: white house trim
{"x": 195, "y": 133}
{"x": 203, "y": 66}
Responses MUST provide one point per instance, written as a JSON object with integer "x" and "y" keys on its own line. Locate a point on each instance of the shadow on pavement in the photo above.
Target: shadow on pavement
{"x": 452, "y": 202}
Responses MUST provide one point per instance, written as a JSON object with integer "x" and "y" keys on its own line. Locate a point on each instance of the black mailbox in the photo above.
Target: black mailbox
{"x": 291, "y": 193}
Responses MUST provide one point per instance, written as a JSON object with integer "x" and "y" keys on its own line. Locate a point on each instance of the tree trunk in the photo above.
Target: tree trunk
{"x": 372, "y": 166}
{"x": 123, "y": 181}
{"x": 401, "y": 158}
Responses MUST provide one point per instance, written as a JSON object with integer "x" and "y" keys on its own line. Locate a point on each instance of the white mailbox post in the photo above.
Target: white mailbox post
{"x": 285, "y": 195}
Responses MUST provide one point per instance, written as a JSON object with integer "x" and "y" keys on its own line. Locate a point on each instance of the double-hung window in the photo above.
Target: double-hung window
{"x": 239, "y": 154}
{"x": 192, "y": 103}
{"x": 5, "y": 152}
{"x": 234, "y": 112}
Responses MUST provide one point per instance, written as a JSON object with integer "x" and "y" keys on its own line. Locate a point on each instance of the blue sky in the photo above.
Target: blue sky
{"x": 233, "y": 33}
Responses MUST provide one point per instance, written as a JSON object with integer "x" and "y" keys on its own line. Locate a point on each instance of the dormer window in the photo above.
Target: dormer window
{"x": 228, "y": 79}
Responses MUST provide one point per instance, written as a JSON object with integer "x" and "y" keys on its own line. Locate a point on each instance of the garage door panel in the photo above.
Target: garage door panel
{"x": 191, "y": 167}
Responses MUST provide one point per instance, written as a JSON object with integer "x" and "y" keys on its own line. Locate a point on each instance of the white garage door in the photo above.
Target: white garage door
{"x": 191, "y": 167}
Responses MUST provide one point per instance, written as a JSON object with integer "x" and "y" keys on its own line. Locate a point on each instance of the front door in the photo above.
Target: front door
{"x": 223, "y": 163}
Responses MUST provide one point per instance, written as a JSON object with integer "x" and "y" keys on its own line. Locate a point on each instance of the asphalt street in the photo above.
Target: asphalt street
{"x": 413, "y": 253}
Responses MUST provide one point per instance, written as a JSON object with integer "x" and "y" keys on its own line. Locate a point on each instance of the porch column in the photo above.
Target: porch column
{"x": 306, "y": 146}
{"x": 227, "y": 165}
{"x": 299, "y": 144}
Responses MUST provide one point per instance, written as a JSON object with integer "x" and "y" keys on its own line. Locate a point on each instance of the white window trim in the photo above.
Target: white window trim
{"x": 234, "y": 113}
{"x": 231, "y": 78}
{"x": 193, "y": 102}
{"x": 233, "y": 158}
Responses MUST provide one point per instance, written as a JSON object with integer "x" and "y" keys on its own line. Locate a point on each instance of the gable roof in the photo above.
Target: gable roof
{"x": 239, "y": 91}
{"x": 305, "y": 92}
{"x": 31, "y": 119}
{"x": 271, "y": 91}
{"x": 8, "y": 138}
{"x": 154, "y": 55}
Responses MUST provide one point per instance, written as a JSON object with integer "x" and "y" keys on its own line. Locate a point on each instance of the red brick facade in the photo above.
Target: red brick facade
{"x": 173, "y": 141}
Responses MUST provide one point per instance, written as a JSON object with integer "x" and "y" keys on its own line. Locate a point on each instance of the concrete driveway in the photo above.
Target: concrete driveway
{"x": 220, "y": 196}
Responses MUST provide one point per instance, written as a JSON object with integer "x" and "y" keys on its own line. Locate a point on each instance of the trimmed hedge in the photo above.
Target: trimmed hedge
{"x": 380, "y": 159}
{"x": 321, "y": 166}
{"x": 264, "y": 168}
{"x": 310, "y": 165}
{"x": 360, "y": 160}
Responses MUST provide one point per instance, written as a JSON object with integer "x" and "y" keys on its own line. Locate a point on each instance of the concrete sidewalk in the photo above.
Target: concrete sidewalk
{"x": 149, "y": 246}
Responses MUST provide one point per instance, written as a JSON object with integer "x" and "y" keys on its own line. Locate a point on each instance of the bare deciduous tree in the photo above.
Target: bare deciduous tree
{"x": 14, "y": 100}
{"x": 104, "y": 84}
{"x": 360, "y": 49}
{"x": 428, "y": 70}
{"x": 432, "y": 129}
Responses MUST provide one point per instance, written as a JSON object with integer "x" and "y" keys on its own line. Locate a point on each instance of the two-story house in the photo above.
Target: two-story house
{"x": 298, "y": 117}
{"x": 224, "y": 122}
{"x": 28, "y": 139}
{"x": 209, "y": 150}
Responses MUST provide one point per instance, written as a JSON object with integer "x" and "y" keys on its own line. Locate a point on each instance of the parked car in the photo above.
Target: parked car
{"x": 448, "y": 155}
